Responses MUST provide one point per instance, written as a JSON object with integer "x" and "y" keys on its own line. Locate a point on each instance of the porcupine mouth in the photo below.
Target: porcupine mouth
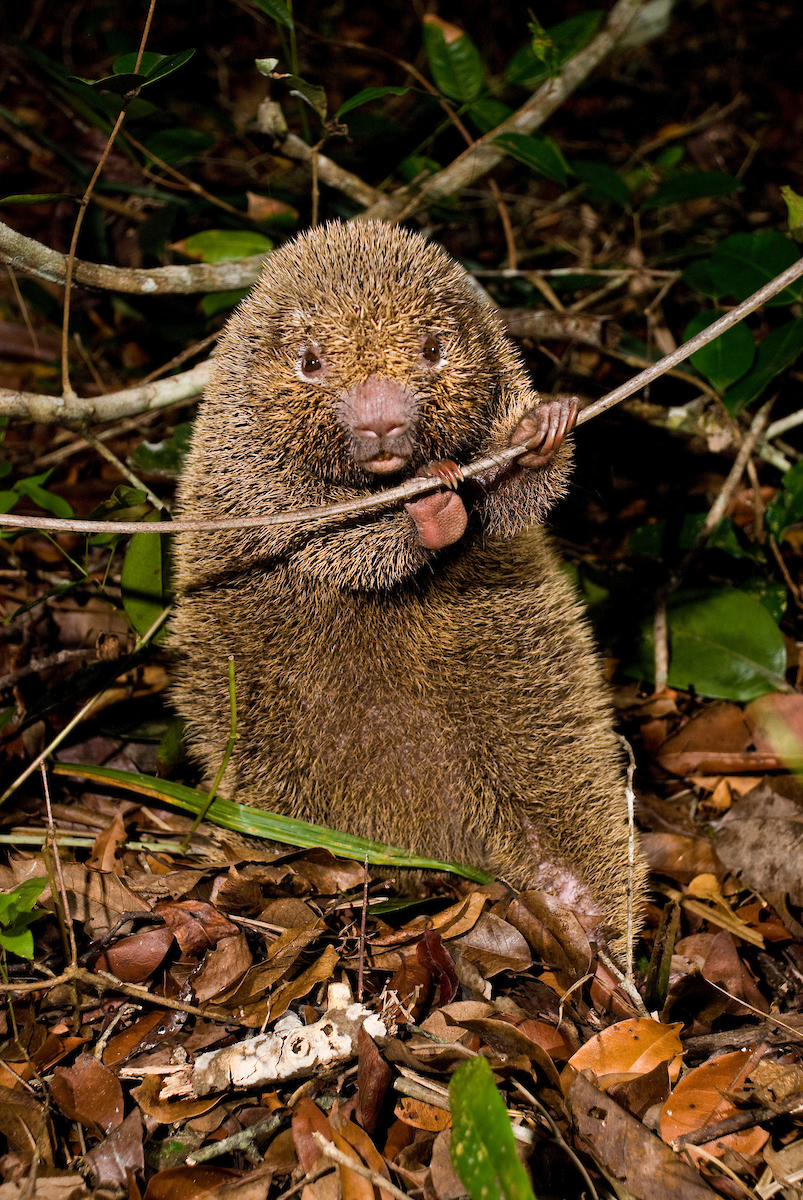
{"x": 384, "y": 463}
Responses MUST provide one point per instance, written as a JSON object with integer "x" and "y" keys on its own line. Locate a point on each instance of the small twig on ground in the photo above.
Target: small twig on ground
{"x": 352, "y": 1164}
{"x": 627, "y": 985}
{"x": 245, "y": 1140}
{"x": 363, "y": 923}
{"x": 504, "y": 216}
{"x": 44, "y": 664}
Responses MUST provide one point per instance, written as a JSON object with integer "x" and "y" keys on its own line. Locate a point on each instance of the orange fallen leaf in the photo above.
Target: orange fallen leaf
{"x": 701, "y": 1099}
{"x": 628, "y": 1049}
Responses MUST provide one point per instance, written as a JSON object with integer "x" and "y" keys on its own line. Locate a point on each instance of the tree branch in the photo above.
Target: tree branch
{"x": 420, "y": 485}
{"x": 483, "y": 155}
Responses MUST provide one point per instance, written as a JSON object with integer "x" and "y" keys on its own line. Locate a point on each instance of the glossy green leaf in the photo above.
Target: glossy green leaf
{"x": 276, "y": 9}
{"x": 692, "y": 185}
{"x": 367, "y": 95}
{"x": 721, "y": 643}
{"x": 728, "y": 357}
{"x": 698, "y": 277}
{"x": 33, "y": 487}
{"x": 724, "y": 537}
{"x": 744, "y": 262}
{"x": 769, "y": 592}
{"x": 483, "y": 1148}
{"x": 454, "y": 62}
{"x": 542, "y": 154}
{"x": 17, "y": 912}
{"x": 152, "y": 67}
{"x": 527, "y": 70}
{"x": 166, "y": 457}
{"x": 256, "y": 823}
{"x": 226, "y": 245}
{"x": 145, "y": 579}
{"x": 786, "y": 507}
{"x": 602, "y": 182}
{"x": 179, "y": 145}
{"x": 778, "y": 351}
{"x": 218, "y": 302}
{"x": 311, "y": 93}
{"x": 487, "y": 113}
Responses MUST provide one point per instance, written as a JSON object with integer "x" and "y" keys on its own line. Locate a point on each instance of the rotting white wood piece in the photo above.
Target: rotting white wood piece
{"x": 291, "y": 1050}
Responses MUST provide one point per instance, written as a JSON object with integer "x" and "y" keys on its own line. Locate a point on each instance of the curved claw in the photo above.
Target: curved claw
{"x": 543, "y": 429}
{"x": 445, "y": 469}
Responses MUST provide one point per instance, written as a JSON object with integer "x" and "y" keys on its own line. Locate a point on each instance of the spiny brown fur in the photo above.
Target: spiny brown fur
{"x": 447, "y": 701}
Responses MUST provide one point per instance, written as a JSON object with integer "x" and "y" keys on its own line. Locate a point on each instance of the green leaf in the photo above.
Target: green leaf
{"x": 483, "y": 1148}
{"x": 276, "y": 9}
{"x": 721, "y": 643}
{"x": 786, "y": 507}
{"x": 542, "y": 154}
{"x": 692, "y": 185}
{"x": 145, "y": 579}
{"x": 165, "y": 457}
{"x": 779, "y": 350}
{"x": 367, "y": 95}
{"x": 217, "y": 302}
{"x": 794, "y": 209}
{"x": 728, "y": 357}
{"x": 454, "y": 60}
{"x": 698, "y": 276}
{"x": 225, "y": 245}
{"x": 647, "y": 541}
{"x": 311, "y": 93}
{"x": 33, "y": 489}
{"x": 487, "y": 113}
{"x": 527, "y": 70}
{"x": 179, "y": 145}
{"x": 768, "y": 592}
{"x": 20, "y": 900}
{"x": 19, "y": 943}
{"x": 724, "y": 537}
{"x": 744, "y": 262}
{"x": 152, "y": 67}
{"x": 256, "y": 823}
{"x": 37, "y": 197}
{"x": 603, "y": 183}
{"x": 416, "y": 165}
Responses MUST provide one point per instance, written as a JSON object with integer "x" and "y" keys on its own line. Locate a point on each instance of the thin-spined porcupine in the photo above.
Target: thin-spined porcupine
{"x": 422, "y": 676}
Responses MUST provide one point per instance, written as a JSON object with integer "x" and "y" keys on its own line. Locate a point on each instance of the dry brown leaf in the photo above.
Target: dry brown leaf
{"x": 494, "y": 945}
{"x": 373, "y": 1080}
{"x": 627, "y": 1050}
{"x": 147, "y": 1096}
{"x": 421, "y": 1115}
{"x": 553, "y": 932}
{"x": 143, "y": 1034}
{"x": 681, "y": 858}
{"x": 701, "y": 1099}
{"x": 98, "y": 900}
{"x": 187, "y": 1183}
{"x": 359, "y": 1140}
{"x": 222, "y": 969}
{"x": 106, "y": 845}
{"x": 90, "y": 1093}
{"x": 511, "y": 1041}
{"x": 22, "y": 1120}
{"x": 119, "y": 1155}
{"x": 761, "y": 838}
{"x": 196, "y": 925}
{"x": 133, "y": 959}
{"x": 627, "y": 1151}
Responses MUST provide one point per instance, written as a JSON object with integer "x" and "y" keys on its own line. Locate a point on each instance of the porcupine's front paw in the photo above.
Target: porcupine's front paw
{"x": 440, "y": 518}
{"x": 544, "y": 428}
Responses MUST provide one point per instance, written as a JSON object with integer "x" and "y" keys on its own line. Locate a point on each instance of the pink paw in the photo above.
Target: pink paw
{"x": 543, "y": 429}
{"x": 440, "y": 518}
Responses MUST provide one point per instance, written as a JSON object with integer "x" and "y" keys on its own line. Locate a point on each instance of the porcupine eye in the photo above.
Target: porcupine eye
{"x": 431, "y": 350}
{"x": 310, "y": 363}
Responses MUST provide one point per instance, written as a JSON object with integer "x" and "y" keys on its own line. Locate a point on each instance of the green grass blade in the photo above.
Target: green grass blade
{"x": 253, "y": 822}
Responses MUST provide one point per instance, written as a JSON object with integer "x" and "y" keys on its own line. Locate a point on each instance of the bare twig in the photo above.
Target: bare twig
{"x": 352, "y": 1164}
{"x": 483, "y": 155}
